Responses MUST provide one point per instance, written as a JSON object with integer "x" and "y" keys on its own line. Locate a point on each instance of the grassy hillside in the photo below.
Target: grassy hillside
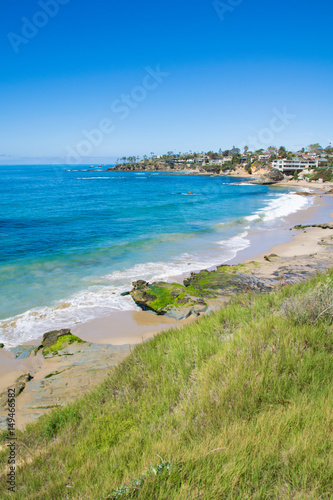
{"x": 237, "y": 405}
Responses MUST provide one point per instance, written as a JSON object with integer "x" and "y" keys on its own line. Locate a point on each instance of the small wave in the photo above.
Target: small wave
{"x": 237, "y": 243}
{"x": 94, "y": 302}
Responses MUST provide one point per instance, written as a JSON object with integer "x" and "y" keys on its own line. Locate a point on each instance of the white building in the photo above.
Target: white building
{"x": 221, "y": 161}
{"x": 285, "y": 165}
{"x": 264, "y": 157}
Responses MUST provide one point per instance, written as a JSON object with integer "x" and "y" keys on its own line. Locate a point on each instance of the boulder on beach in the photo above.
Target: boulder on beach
{"x": 55, "y": 341}
{"x": 169, "y": 299}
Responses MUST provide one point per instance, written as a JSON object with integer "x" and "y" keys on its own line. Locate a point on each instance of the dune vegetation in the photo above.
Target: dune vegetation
{"x": 236, "y": 405}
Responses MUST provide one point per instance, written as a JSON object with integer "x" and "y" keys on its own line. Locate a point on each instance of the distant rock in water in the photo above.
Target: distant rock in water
{"x": 270, "y": 177}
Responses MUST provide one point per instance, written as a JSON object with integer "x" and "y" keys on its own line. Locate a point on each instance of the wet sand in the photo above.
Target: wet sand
{"x": 125, "y": 327}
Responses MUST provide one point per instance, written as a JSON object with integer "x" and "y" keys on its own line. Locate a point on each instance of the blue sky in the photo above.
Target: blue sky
{"x": 84, "y": 80}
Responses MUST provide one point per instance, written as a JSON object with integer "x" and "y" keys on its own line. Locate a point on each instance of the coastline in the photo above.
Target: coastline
{"x": 263, "y": 242}
{"x": 133, "y": 325}
{"x": 121, "y": 330}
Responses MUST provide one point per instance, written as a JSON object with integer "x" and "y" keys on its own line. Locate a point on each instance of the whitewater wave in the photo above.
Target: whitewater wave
{"x": 281, "y": 207}
{"x": 94, "y": 302}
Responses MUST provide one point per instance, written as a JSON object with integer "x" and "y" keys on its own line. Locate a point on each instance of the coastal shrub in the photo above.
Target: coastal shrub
{"x": 159, "y": 472}
{"x": 322, "y": 173}
{"x": 314, "y": 306}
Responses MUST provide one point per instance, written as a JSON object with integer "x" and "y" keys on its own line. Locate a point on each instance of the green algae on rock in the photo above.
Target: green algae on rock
{"x": 226, "y": 281}
{"x": 180, "y": 301}
{"x": 55, "y": 341}
{"x": 171, "y": 299}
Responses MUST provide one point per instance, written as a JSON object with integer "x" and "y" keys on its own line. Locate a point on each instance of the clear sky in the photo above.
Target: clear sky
{"x": 98, "y": 79}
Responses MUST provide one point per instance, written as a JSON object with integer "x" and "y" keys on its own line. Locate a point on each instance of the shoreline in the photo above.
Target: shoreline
{"x": 137, "y": 325}
{"x": 32, "y": 324}
{"x": 121, "y": 330}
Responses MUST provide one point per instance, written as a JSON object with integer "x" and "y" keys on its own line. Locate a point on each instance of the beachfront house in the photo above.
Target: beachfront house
{"x": 298, "y": 164}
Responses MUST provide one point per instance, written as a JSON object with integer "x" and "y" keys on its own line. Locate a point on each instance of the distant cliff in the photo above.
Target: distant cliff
{"x": 193, "y": 168}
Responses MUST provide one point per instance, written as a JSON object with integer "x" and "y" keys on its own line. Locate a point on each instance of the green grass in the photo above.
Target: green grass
{"x": 236, "y": 405}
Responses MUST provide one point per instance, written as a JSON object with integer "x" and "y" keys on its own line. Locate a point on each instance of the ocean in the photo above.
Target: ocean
{"x": 72, "y": 239}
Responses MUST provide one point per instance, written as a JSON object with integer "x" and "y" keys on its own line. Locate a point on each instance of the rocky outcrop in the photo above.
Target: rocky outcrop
{"x": 304, "y": 193}
{"x": 271, "y": 177}
{"x": 227, "y": 281}
{"x": 209, "y": 289}
{"x": 198, "y": 292}
{"x": 78, "y": 368}
{"x": 170, "y": 299}
{"x": 322, "y": 226}
{"x": 56, "y": 341}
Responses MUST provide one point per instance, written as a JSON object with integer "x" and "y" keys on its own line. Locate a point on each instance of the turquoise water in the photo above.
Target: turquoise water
{"x": 73, "y": 239}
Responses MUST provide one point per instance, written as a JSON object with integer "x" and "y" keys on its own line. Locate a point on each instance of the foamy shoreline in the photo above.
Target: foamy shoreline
{"x": 104, "y": 299}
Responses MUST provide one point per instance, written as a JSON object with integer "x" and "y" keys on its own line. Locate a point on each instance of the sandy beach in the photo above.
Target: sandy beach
{"x": 121, "y": 330}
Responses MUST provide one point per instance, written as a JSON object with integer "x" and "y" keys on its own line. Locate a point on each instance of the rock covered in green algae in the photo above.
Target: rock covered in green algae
{"x": 226, "y": 281}
{"x": 180, "y": 301}
{"x": 171, "y": 299}
{"x": 325, "y": 225}
{"x": 217, "y": 287}
{"x": 55, "y": 341}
